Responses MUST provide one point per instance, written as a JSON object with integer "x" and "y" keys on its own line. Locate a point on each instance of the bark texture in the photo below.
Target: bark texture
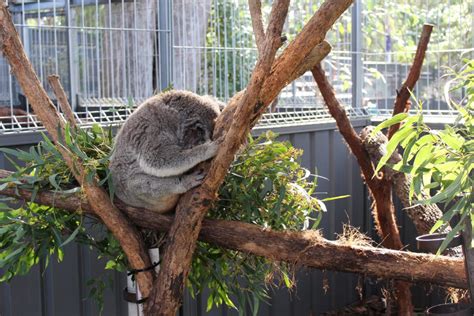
{"x": 115, "y": 221}
{"x": 255, "y": 8}
{"x": 302, "y": 248}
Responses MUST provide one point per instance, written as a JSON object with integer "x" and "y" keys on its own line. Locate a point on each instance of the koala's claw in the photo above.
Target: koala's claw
{"x": 195, "y": 178}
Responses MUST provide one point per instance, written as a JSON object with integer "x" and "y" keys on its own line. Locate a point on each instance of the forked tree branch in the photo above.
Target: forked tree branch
{"x": 116, "y": 222}
{"x": 192, "y": 207}
{"x": 289, "y": 64}
{"x": 246, "y": 106}
{"x": 302, "y": 248}
{"x": 380, "y": 186}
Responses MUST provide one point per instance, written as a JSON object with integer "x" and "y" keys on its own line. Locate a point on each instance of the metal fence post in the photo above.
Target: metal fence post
{"x": 165, "y": 43}
{"x": 357, "y": 67}
{"x": 70, "y": 55}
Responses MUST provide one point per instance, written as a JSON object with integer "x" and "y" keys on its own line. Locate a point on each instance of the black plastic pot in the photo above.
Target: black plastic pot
{"x": 456, "y": 309}
{"x": 432, "y": 242}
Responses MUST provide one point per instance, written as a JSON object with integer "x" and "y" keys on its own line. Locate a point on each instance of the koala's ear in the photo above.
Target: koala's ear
{"x": 221, "y": 105}
{"x": 214, "y": 100}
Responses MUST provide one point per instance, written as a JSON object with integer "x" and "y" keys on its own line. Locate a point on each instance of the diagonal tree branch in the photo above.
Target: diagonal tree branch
{"x": 401, "y": 102}
{"x": 303, "y": 248}
{"x": 62, "y": 99}
{"x": 193, "y": 205}
{"x": 293, "y": 57}
{"x": 115, "y": 221}
{"x": 192, "y": 208}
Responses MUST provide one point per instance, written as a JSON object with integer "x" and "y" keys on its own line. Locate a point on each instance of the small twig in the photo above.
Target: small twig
{"x": 402, "y": 103}
{"x": 62, "y": 99}
{"x": 255, "y": 7}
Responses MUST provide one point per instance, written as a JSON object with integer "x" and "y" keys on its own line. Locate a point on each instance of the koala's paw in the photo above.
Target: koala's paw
{"x": 194, "y": 179}
{"x": 211, "y": 149}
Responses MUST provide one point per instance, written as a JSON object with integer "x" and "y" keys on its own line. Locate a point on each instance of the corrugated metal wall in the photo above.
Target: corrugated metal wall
{"x": 61, "y": 289}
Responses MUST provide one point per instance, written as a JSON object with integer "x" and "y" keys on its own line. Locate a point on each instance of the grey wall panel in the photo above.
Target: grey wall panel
{"x": 63, "y": 284}
{"x": 25, "y": 294}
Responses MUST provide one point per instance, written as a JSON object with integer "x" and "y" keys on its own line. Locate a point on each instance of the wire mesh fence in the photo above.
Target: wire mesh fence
{"x": 113, "y": 54}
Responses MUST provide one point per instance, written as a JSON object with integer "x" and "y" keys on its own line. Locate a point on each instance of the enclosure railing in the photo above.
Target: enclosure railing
{"x": 112, "y": 54}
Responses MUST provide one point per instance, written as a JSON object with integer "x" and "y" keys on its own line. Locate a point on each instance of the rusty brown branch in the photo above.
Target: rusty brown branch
{"x": 402, "y": 101}
{"x": 379, "y": 188}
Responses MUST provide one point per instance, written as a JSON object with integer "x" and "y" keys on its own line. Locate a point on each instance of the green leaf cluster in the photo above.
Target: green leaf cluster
{"x": 31, "y": 233}
{"x": 266, "y": 186}
{"x": 440, "y": 162}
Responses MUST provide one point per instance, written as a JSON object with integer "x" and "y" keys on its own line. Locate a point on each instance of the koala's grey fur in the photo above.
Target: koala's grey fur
{"x": 159, "y": 144}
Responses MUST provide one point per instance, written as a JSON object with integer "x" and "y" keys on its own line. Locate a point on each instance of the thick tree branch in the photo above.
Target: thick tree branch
{"x": 125, "y": 233}
{"x": 401, "y": 102}
{"x": 302, "y": 248}
{"x": 192, "y": 207}
{"x": 254, "y": 100}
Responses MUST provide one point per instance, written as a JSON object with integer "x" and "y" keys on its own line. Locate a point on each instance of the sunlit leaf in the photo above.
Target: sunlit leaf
{"x": 392, "y": 121}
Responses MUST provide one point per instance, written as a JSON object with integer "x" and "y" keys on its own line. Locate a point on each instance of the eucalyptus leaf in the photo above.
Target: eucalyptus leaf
{"x": 392, "y": 145}
{"x": 387, "y": 123}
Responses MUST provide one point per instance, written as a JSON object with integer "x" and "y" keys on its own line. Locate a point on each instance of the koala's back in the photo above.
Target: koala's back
{"x": 154, "y": 130}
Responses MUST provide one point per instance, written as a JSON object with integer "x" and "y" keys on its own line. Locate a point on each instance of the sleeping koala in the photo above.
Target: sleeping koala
{"x": 159, "y": 144}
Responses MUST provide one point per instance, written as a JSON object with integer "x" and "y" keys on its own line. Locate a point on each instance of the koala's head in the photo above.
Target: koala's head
{"x": 204, "y": 109}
